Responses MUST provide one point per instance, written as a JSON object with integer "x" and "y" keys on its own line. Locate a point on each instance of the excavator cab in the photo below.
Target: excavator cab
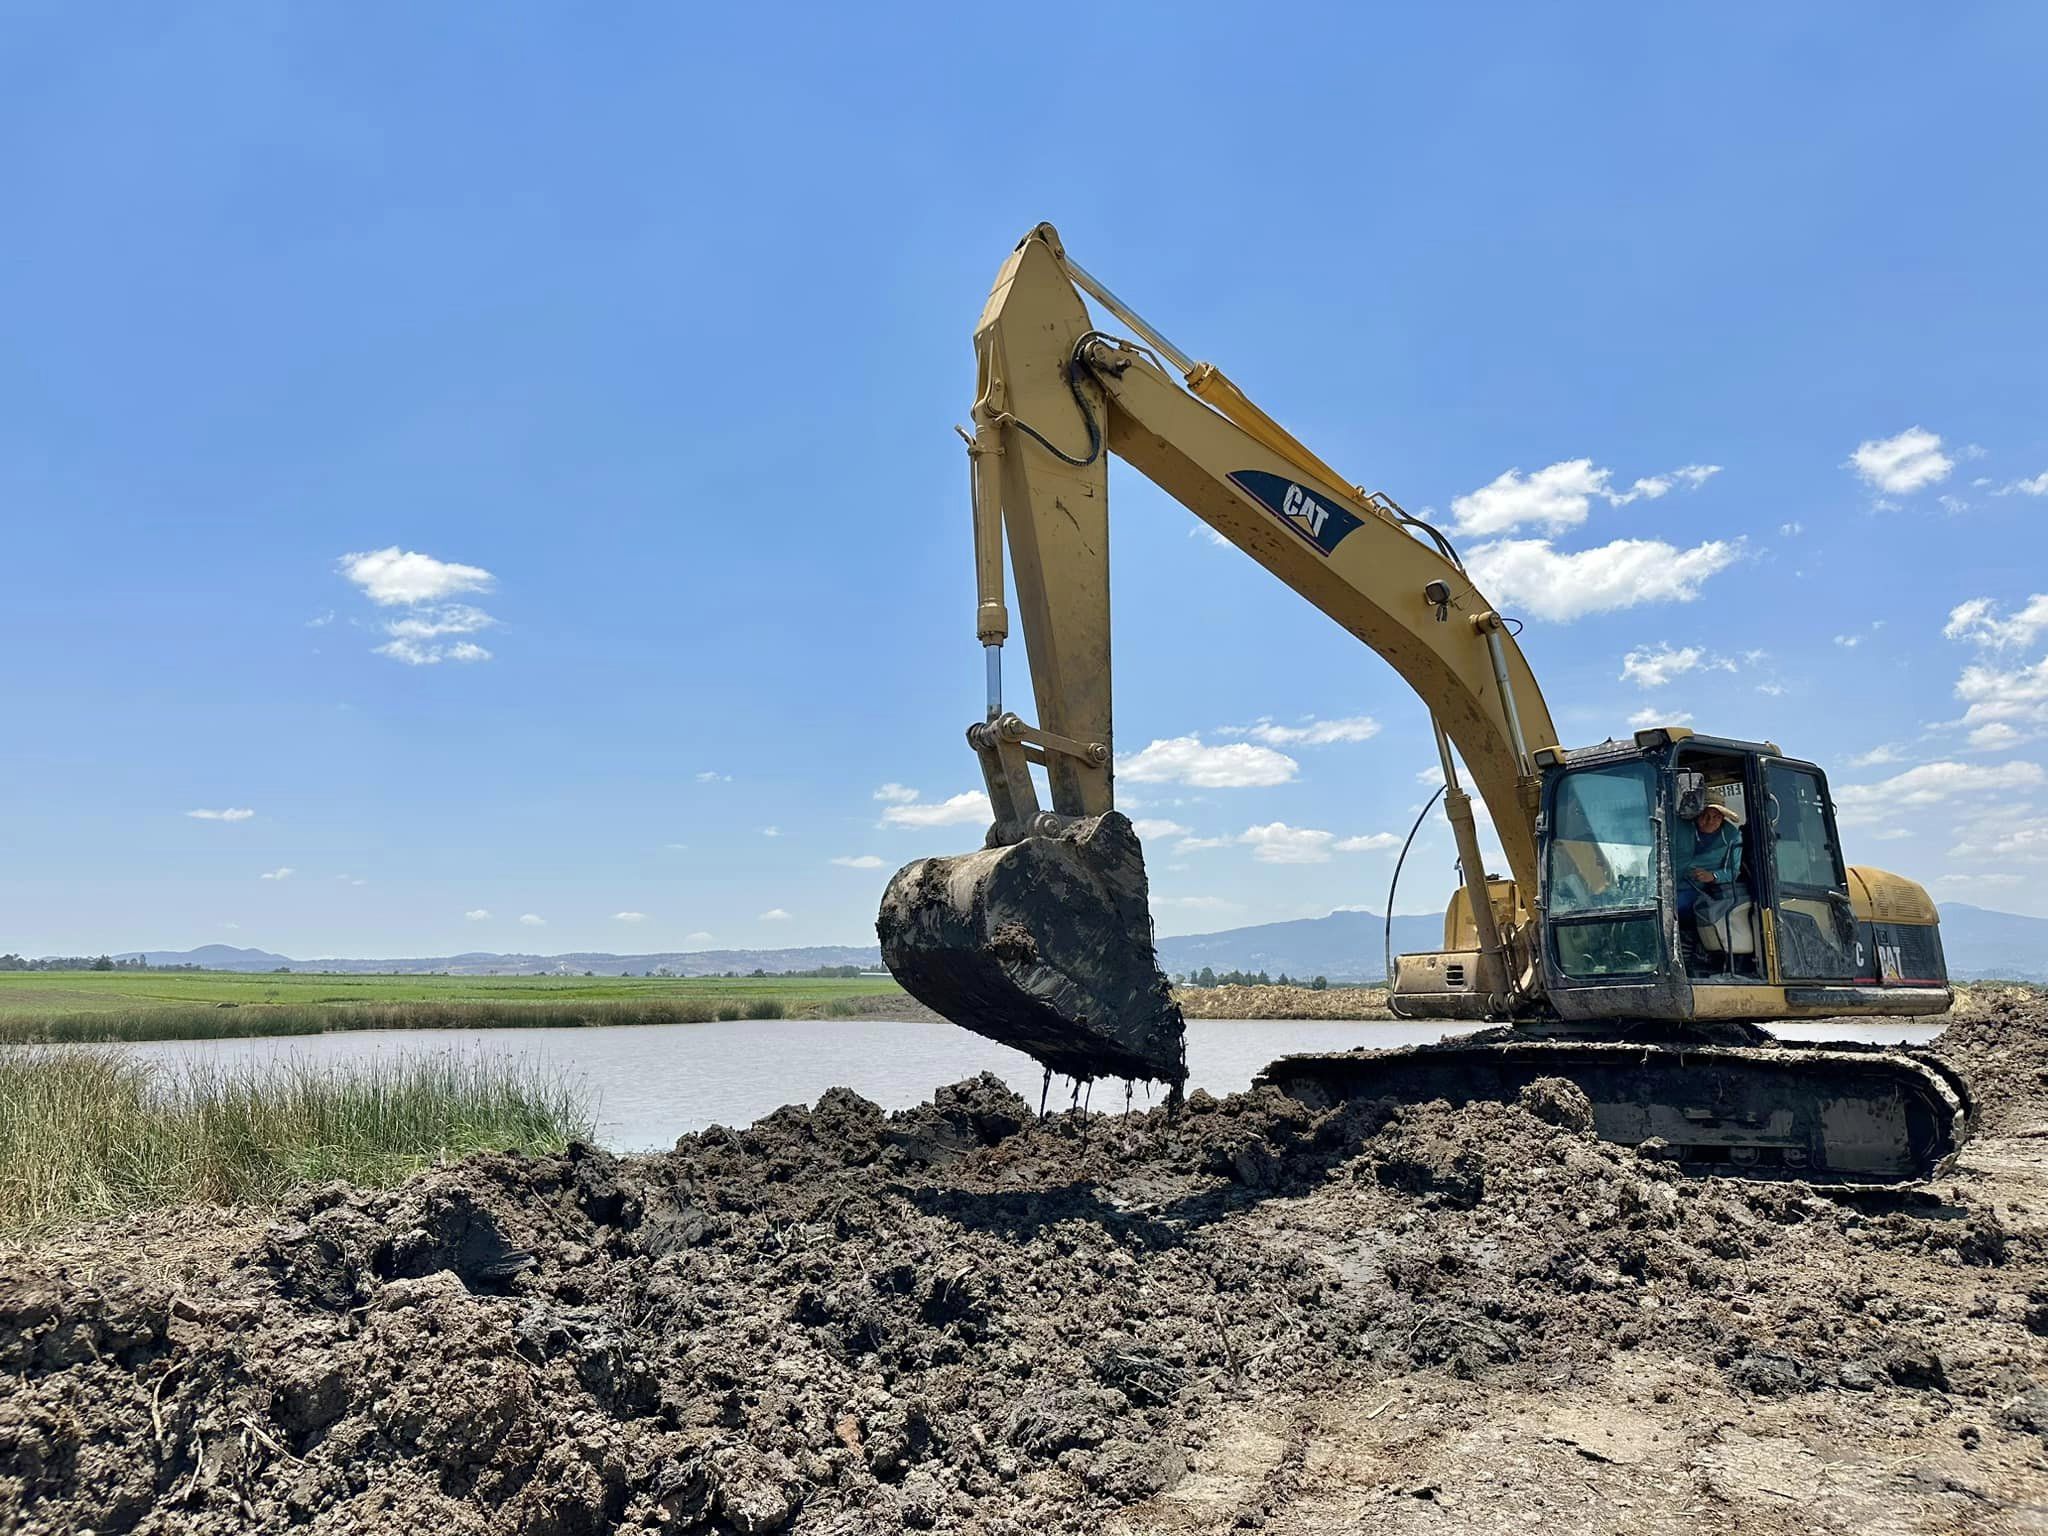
{"x": 1785, "y": 930}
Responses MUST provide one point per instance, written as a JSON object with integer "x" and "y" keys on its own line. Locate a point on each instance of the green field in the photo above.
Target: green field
{"x": 161, "y": 1005}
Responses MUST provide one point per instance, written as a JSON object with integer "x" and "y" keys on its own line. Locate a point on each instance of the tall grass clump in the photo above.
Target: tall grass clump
{"x": 89, "y": 1134}
{"x": 215, "y": 1021}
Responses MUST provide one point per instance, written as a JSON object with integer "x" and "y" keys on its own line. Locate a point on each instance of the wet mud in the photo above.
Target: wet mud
{"x": 1044, "y": 945}
{"x": 964, "y": 1318}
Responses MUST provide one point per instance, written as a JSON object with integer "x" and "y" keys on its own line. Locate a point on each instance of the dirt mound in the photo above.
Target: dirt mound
{"x": 1998, "y": 1037}
{"x": 956, "y": 1318}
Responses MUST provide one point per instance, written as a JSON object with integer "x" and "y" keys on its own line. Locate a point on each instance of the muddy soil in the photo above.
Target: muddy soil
{"x": 960, "y": 1318}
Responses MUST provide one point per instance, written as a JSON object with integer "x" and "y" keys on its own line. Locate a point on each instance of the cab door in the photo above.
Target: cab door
{"x": 1605, "y": 895}
{"x": 1812, "y": 922}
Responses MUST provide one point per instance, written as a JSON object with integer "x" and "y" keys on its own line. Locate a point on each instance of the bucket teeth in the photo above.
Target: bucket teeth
{"x": 1044, "y": 945}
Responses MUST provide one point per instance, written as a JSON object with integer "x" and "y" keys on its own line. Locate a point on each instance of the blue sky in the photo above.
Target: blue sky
{"x": 646, "y": 332}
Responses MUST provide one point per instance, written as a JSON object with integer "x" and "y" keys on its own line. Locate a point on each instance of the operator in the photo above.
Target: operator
{"x": 1707, "y": 856}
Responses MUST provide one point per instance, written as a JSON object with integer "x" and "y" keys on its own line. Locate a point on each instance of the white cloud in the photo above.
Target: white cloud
{"x": 1316, "y": 733}
{"x": 2003, "y": 704}
{"x": 699, "y": 937}
{"x": 1877, "y": 757}
{"x": 1529, "y": 575}
{"x": 392, "y": 579}
{"x": 228, "y": 813}
{"x": 414, "y": 653}
{"x": 965, "y": 808}
{"x": 351, "y": 880}
{"x": 452, "y": 619}
{"x": 771, "y": 831}
{"x": 2002, "y": 881}
{"x": 1848, "y": 642}
{"x": 2015, "y": 832}
{"x": 389, "y": 577}
{"x": 1995, "y": 737}
{"x": 1901, "y": 465}
{"x": 629, "y": 917}
{"x": 2033, "y": 485}
{"x": 1931, "y": 784}
{"x": 858, "y": 861}
{"x": 676, "y": 847}
{"x": 1650, "y": 715}
{"x": 533, "y": 920}
{"x": 1655, "y": 666}
{"x": 1197, "y": 903}
{"x": 1792, "y": 530}
{"x": 1557, "y": 497}
{"x": 1370, "y": 842}
{"x": 1157, "y": 826}
{"x": 713, "y": 776}
{"x": 1978, "y": 622}
{"x": 322, "y": 621}
{"x": 1278, "y": 843}
{"x": 1186, "y": 760}
{"x": 895, "y": 794}
{"x": 282, "y": 872}
{"x": 774, "y": 915}
{"x": 1953, "y": 505}
{"x": 1431, "y": 776}
{"x": 477, "y": 914}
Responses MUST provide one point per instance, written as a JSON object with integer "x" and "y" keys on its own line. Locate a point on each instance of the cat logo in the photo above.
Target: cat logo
{"x": 1312, "y": 515}
{"x": 1890, "y": 964}
{"x": 1298, "y": 503}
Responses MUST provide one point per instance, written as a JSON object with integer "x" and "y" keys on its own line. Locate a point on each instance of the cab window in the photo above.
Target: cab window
{"x": 1603, "y": 842}
{"x": 1602, "y": 874}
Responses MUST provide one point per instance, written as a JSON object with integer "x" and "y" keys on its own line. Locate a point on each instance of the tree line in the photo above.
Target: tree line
{"x": 1206, "y": 977}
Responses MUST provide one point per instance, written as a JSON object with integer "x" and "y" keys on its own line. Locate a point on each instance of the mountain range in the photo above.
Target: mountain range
{"x": 1344, "y": 946}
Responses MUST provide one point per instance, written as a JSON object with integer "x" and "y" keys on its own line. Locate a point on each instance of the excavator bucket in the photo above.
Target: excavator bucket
{"x": 1044, "y": 945}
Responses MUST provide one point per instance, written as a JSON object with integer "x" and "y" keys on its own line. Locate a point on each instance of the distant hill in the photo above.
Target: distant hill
{"x": 1345, "y": 946}
{"x": 213, "y": 957}
{"x": 1981, "y": 943}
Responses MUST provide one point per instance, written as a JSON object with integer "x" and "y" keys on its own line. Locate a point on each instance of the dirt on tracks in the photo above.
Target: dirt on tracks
{"x": 960, "y": 1318}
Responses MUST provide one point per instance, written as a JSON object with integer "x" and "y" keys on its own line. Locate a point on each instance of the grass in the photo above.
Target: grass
{"x": 80, "y": 1006}
{"x": 90, "y": 1134}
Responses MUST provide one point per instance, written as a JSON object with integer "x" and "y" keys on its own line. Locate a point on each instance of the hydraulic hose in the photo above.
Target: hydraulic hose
{"x": 1394, "y": 885}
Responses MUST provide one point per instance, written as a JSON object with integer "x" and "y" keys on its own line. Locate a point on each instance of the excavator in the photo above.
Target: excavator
{"x": 1580, "y": 962}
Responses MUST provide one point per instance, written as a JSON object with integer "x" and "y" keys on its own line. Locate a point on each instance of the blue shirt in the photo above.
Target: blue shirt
{"x": 1719, "y": 854}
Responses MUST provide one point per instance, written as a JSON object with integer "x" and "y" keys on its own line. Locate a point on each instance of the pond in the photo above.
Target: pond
{"x": 652, "y": 1083}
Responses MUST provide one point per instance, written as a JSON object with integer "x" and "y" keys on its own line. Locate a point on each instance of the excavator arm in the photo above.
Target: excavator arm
{"x": 1056, "y": 396}
{"x": 1043, "y": 940}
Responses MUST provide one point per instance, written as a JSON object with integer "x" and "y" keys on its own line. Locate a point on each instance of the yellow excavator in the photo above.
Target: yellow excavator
{"x": 1582, "y": 956}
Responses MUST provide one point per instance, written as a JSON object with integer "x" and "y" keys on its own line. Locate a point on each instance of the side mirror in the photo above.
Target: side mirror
{"x": 1692, "y": 792}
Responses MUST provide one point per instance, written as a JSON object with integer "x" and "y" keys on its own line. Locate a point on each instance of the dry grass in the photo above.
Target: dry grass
{"x": 91, "y": 1134}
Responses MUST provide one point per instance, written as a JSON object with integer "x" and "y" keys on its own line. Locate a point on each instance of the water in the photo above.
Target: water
{"x": 651, "y": 1083}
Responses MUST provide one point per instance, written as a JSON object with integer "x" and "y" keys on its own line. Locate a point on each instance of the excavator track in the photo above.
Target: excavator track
{"x": 1842, "y": 1112}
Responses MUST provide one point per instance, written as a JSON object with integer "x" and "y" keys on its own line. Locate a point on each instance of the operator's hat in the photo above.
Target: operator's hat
{"x": 1725, "y": 809}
